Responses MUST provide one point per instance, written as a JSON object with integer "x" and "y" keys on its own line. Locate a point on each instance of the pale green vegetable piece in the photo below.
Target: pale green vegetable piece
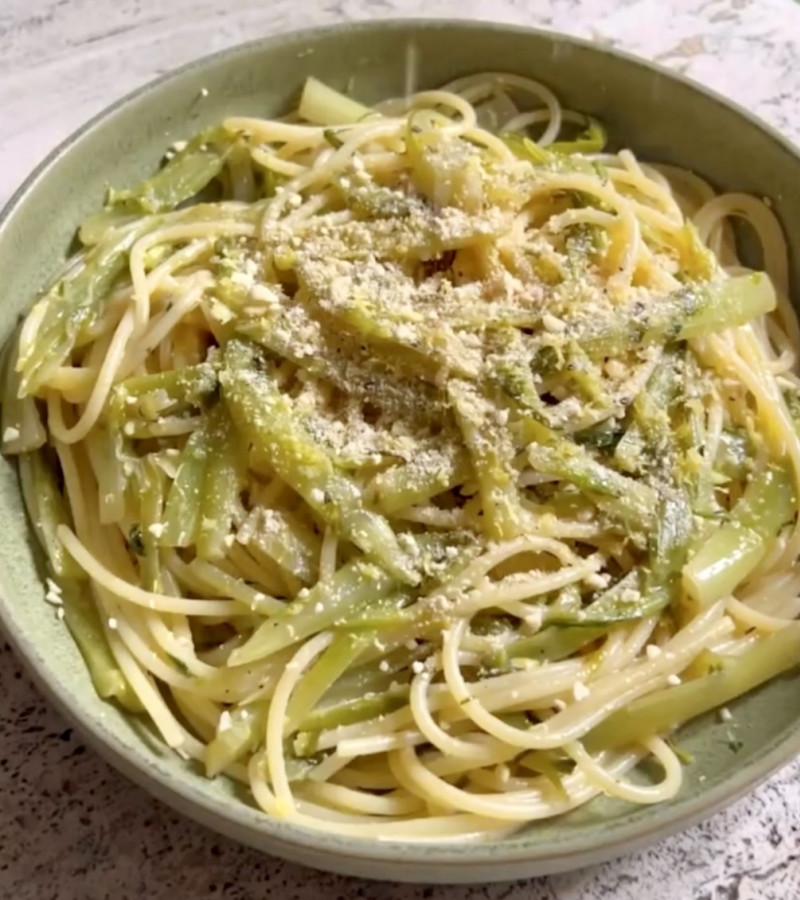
{"x": 359, "y": 709}
{"x": 149, "y": 480}
{"x": 47, "y": 509}
{"x": 73, "y": 304}
{"x": 263, "y": 414}
{"x": 342, "y": 653}
{"x": 663, "y": 710}
{"x": 353, "y": 586}
{"x": 287, "y": 540}
{"x": 183, "y": 510}
{"x": 180, "y": 179}
{"x": 322, "y": 105}
{"x": 733, "y": 550}
{"x": 240, "y": 731}
{"x": 83, "y": 621}
{"x": 492, "y": 455}
{"x": 627, "y": 499}
{"x": 429, "y": 472}
{"x": 689, "y": 312}
{"x": 22, "y": 428}
{"x": 224, "y": 479}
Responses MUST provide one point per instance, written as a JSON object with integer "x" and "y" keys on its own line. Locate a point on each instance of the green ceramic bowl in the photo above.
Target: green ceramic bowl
{"x": 660, "y": 116}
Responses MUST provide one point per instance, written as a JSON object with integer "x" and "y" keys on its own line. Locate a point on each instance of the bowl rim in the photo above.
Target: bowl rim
{"x": 281, "y": 838}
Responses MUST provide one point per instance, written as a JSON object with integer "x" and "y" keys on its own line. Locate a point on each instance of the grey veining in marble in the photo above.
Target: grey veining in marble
{"x": 70, "y": 827}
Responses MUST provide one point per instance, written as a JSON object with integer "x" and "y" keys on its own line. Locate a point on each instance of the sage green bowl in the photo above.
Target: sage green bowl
{"x": 662, "y": 117}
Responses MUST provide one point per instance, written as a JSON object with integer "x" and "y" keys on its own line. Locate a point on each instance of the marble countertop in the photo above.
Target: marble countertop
{"x": 71, "y": 827}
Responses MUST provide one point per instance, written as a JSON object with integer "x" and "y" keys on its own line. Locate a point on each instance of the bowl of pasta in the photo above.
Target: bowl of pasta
{"x": 401, "y": 459}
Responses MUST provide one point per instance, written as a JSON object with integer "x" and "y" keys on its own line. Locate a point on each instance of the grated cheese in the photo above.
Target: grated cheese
{"x": 580, "y": 691}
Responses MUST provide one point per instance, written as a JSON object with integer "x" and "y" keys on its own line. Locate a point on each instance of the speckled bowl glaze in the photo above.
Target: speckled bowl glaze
{"x": 659, "y": 115}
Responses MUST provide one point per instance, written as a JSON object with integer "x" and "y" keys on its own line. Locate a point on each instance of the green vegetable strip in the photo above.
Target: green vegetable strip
{"x": 368, "y": 314}
{"x": 83, "y": 621}
{"x": 203, "y": 577}
{"x": 361, "y": 709}
{"x": 565, "y": 161}
{"x": 551, "y": 644}
{"x": 322, "y": 105}
{"x": 663, "y": 710}
{"x": 110, "y": 461}
{"x": 353, "y": 586}
{"x": 623, "y": 602}
{"x": 492, "y": 455}
{"x": 694, "y": 469}
{"x": 602, "y": 436}
{"x": 343, "y": 362}
{"x": 152, "y": 396}
{"x": 438, "y": 184}
{"x": 654, "y": 438}
{"x": 264, "y": 416}
{"x": 734, "y": 550}
{"x": 511, "y": 372}
{"x": 425, "y": 242}
{"x": 74, "y": 304}
{"x": 631, "y": 501}
{"x": 183, "y": 177}
{"x": 651, "y": 428}
{"x": 448, "y": 172}
{"x": 224, "y": 479}
{"x": 378, "y": 669}
{"x": 290, "y": 543}
{"x": 370, "y": 323}
{"x": 586, "y": 375}
{"x": 22, "y": 429}
{"x": 697, "y": 261}
{"x": 242, "y": 734}
{"x": 240, "y": 166}
{"x": 515, "y": 378}
{"x": 427, "y": 474}
{"x": 690, "y": 312}
{"x": 47, "y": 510}
{"x": 343, "y": 651}
{"x": 182, "y": 514}
{"x": 97, "y": 226}
{"x": 729, "y": 303}
{"x": 734, "y": 454}
{"x": 591, "y": 140}
{"x": 373, "y": 201}
{"x": 724, "y": 561}
{"x": 669, "y": 548}
{"x": 151, "y": 493}
{"x": 527, "y": 430}
{"x": 568, "y": 600}
{"x": 385, "y": 615}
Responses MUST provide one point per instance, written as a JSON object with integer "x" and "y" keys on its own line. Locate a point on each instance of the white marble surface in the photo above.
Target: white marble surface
{"x": 70, "y": 827}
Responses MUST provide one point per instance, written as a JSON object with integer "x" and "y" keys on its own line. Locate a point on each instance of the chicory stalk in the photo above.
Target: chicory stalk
{"x": 734, "y": 550}
{"x": 661, "y": 711}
